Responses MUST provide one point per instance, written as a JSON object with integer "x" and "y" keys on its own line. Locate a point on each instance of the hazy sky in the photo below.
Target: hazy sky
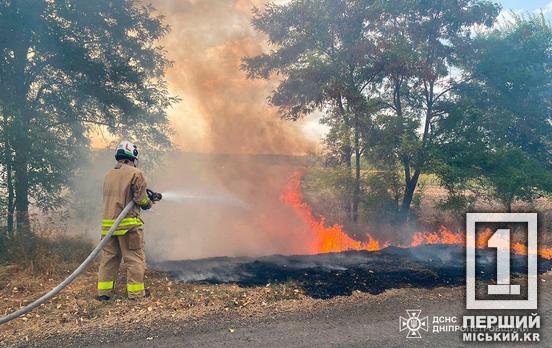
{"x": 529, "y": 5}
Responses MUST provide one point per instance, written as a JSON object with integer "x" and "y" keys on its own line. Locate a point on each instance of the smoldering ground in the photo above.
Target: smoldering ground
{"x": 338, "y": 274}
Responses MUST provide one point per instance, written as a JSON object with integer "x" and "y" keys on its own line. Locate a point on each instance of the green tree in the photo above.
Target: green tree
{"x": 67, "y": 68}
{"x": 497, "y": 132}
{"x": 421, "y": 42}
{"x": 324, "y": 59}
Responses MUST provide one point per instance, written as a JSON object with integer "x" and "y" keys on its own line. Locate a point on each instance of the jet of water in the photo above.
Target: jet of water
{"x": 182, "y": 196}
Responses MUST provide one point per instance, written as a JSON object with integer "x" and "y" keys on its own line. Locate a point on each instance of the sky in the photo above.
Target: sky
{"x": 529, "y": 5}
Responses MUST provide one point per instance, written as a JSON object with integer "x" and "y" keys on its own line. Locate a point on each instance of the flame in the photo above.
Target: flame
{"x": 521, "y": 249}
{"x": 327, "y": 239}
{"x": 443, "y": 236}
{"x": 446, "y": 236}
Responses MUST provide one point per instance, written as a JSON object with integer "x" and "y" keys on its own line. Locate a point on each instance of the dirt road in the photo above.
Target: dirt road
{"x": 359, "y": 321}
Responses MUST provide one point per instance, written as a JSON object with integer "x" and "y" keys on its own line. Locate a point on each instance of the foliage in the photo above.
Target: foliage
{"x": 380, "y": 71}
{"x": 497, "y": 132}
{"x": 421, "y": 41}
{"x": 321, "y": 53}
{"x": 69, "y": 68}
{"x": 418, "y": 87}
{"x": 325, "y": 61}
{"x": 328, "y": 190}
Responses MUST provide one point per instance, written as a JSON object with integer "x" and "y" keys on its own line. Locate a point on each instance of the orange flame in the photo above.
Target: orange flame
{"x": 521, "y": 249}
{"x": 446, "y": 236}
{"x": 326, "y": 239}
{"x": 443, "y": 236}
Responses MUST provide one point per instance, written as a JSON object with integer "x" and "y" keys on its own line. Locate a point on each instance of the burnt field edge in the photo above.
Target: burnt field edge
{"x": 340, "y": 274}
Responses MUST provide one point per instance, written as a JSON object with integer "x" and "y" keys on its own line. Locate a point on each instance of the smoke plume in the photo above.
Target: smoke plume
{"x": 234, "y": 155}
{"x": 221, "y": 111}
{"x": 223, "y": 205}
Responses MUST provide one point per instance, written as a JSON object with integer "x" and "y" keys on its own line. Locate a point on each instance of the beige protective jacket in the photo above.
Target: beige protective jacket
{"x": 122, "y": 184}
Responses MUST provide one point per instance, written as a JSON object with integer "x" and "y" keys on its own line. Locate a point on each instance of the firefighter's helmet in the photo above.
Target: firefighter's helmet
{"x": 126, "y": 150}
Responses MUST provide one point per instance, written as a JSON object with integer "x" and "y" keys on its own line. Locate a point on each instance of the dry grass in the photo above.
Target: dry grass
{"x": 433, "y": 217}
{"x": 46, "y": 252}
{"x": 75, "y": 310}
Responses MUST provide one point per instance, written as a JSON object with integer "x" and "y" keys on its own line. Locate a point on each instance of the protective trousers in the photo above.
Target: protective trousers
{"x": 130, "y": 248}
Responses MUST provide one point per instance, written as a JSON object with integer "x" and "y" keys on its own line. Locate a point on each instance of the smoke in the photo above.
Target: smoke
{"x": 215, "y": 204}
{"x": 221, "y": 111}
{"x": 223, "y": 205}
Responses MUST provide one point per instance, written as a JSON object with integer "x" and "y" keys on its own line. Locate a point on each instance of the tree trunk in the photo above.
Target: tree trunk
{"x": 348, "y": 161}
{"x": 21, "y": 142}
{"x": 412, "y": 181}
{"x": 2, "y": 243}
{"x": 409, "y": 190}
{"x": 11, "y": 207}
{"x": 347, "y": 154}
{"x": 356, "y": 192}
{"x": 9, "y": 182}
{"x": 21, "y": 175}
{"x": 509, "y": 203}
{"x": 9, "y": 177}
{"x": 21, "y": 192}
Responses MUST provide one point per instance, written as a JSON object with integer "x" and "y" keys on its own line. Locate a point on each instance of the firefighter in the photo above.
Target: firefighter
{"x": 123, "y": 183}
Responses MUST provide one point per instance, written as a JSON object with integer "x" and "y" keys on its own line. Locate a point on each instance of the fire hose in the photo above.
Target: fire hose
{"x": 154, "y": 196}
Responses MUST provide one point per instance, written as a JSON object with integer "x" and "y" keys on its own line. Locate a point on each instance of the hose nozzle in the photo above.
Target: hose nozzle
{"x": 154, "y": 196}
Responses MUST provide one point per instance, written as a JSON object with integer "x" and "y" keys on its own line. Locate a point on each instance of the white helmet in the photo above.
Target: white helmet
{"x": 126, "y": 150}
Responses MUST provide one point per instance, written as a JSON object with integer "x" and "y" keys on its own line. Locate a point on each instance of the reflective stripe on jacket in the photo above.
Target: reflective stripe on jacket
{"x": 123, "y": 184}
{"x": 125, "y": 225}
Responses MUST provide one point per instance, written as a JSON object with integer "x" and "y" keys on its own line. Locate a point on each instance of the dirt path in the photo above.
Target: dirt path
{"x": 358, "y": 321}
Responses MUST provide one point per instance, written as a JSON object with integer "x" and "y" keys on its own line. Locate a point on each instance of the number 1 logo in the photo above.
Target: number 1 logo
{"x": 500, "y": 240}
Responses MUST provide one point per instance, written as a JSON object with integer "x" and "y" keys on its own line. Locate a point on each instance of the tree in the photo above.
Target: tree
{"x": 67, "y": 68}
{"x": 421, "y": 41}
{"x": 498, "y": 129}
{"x": 324, "y": 59}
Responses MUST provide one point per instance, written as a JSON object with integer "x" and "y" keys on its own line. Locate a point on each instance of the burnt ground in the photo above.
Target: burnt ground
{"x": 337, "y": 274}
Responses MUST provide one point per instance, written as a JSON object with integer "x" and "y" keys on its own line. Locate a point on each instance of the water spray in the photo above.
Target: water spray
{"x": 182, "y": 196}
